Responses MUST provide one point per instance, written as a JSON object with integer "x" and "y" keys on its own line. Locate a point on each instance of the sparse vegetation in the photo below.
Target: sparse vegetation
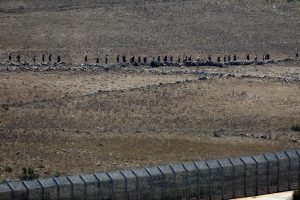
{"x": 28, "y": 174}
{"x": 296, "y": 194}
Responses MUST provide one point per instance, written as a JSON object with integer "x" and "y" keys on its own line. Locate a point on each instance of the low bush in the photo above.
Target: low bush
{"x": 296, "y": 194}
{"x": 29, "y": 174}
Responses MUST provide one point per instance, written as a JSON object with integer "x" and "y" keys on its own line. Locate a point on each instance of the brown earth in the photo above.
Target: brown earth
{"x": 68, "y": 123}
{"x": 75, "y": 28}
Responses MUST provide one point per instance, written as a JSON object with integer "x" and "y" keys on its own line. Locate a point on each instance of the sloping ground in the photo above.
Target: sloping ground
{"x": 135, "y": 124}
{"x": 75, "y": 28}
{"x": 247, "y": 105}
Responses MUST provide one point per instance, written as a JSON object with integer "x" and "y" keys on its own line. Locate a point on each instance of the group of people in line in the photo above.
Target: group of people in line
{"x": 132, "y": 59}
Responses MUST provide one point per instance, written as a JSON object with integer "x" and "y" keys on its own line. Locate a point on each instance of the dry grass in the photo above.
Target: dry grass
{"x": 74, "y": 28}
{"x": 139, "y": 126}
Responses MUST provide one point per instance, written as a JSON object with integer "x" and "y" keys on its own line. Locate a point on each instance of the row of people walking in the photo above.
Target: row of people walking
{"x": 132, "y": 59}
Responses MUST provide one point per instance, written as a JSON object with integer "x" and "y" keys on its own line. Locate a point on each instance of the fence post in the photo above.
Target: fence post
{"x": 126, "y": 184}
{"x": 58, "y": 188}
{"x": 233, "y": 178}
{"x": 43, "y": 189}
{"x": 137, "y": 184}
{"x": 268, "y": 173}
{"x": 245, "y": 177}
{"x": 278, "y": 172}
{"x": 198, "y": 180}
{"x": 210, "y": 181}
{"x": 163, "y": 182}
{"x": 99, "y": 186}
{"x": 112, "y": 185}
{"x": 256, "y": 175}
{"x": 85, "y": 192}
{"x": 222, "y": 178}
{"x": 289, "y": 168}
{"x": 27, "y": 189}
{"x": 151, "y": 183}
{"x": 298, "y": 166}
{"x": 187, "y": 181}
{"x": 12, "y": 190}
{"x": 72, "y": 187}
{"x": 175, "y": 182}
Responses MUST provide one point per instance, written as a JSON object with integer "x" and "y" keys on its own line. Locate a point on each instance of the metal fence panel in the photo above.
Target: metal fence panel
{"x": 5, "y": 192}
{"x": 50, "y": 188}
{"x": 180, "y": 184}
{"x": 294, "y": 172}
{"x": 273, "y": 172}
{"x": 193, "y": 179}
{"x": 250, "y": 175}
{"x": 78, "y": 188}
{"x": 239, "y": 177}
{"x": 205, "y": 181}
{"x": 130, "y": 184}
{"x": 283, "y": 178}
{"x": 216, "y": 180}
{"x": 106, "y": 186}
{"x": 35, "y": 190}
{"x": 262, "y": 172}
{"x": 91, "y": 186}
{"x": 227, "y": 174}
{"x": 144, "y": 189}
{"x": 168, "y": 180}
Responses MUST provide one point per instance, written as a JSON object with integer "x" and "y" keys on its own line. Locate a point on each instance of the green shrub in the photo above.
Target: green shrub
{"x": 296, "y": 127}
{"x": 296, "y": 194}
{"x": 29, "y": 174}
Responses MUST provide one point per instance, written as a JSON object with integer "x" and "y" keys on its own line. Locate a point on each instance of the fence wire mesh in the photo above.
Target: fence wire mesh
{"x": 212, "y": 179}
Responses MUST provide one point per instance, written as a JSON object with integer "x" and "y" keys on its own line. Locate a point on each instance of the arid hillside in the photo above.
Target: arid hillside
{"x": 83, "y": 122}
{"x": 75, "y": 28}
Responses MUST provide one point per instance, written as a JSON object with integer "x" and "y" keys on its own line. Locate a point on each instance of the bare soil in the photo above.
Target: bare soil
{"x": 71, "y": 123}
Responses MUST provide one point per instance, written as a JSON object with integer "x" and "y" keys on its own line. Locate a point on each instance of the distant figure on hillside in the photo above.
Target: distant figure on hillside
{"x": 297, "y": 55}
{"x": 166, "y": 59}
{"x": 43, "y": 58}
{"x": 50, "y": 57}
{"x": 190, "y": 58}
{"x": 145, "y": 60}
{"x": 229, "y": 58}
{"x": 132, "y": 59}
{"x": 255, "y": 58}
{"x": 33, "y": 58}
{"x": 9, "y": 57}
{"x": 139, "y": 59}
{"x": 106, "y": 59}
{"x": 248, "y": 57}
{"x": 158, "y": 58}
{"x": 185, "y": 59}
{"x": 171, "y": 58}
{"x": 18, "y": 58}
{"x": 219, "y": 59}
{"x": 97, "y": 59}
{"x": 85, "y": 58}
{"x": 124, "y": 59}
{"x": 178, "y": 60}
{"x": 268, "y": 57}
{"x": 225, "y": 59}
{"x": 234, "y": 57}
{"x": 118, "y": 59}
{"x": 209, "y": 58}
{"x": 58, "y": 58}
